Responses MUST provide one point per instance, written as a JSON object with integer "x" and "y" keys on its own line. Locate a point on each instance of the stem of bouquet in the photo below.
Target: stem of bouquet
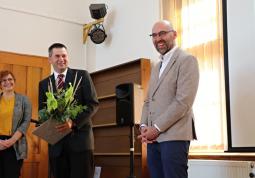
{"x": 76, "y": 87}
{"x": 75, "y": 78}
{"x": 50, "y": 87}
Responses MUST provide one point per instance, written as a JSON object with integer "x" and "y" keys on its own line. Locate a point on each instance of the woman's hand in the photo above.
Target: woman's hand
{"x": 4, "y": 144}
{"x": 2, "y": 147}
{"x": 7, "y": 143}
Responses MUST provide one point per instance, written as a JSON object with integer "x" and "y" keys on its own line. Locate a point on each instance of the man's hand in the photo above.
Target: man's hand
{"x": 65, "y": 126}
{"x": 142, "y": 137}
{"x": 152, "y": 133}
{"x": 148, "y": 134}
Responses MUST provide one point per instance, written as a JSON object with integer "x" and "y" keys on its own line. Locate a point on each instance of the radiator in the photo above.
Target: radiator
{"x": 220, "y": 169}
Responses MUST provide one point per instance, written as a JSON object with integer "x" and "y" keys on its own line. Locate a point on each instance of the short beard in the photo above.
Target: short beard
{"x": 162, "y": 51}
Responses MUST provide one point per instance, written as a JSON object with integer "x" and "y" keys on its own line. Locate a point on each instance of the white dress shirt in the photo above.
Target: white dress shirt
{"x": 165, "y": 59}
{"x": 56, "y": 75}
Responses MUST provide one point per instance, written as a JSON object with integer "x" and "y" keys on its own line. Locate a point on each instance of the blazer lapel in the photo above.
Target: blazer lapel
{"x": 168, "y": 67}
{"x": 69, "y": 78}
{"x": 16, "y": 113}
{"x": 53, "y": 82}
{"x": 154, "y": 77}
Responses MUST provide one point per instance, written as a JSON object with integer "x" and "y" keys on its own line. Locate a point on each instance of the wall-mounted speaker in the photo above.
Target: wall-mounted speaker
{"x": 97, "y": 11}
{"x": 128, "y": 104}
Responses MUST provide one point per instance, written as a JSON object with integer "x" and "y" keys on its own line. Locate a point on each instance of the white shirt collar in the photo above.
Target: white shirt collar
{"x": 165, "y": 59}
{"x": 168, "y": 55}
{"x": 56, "y": 74}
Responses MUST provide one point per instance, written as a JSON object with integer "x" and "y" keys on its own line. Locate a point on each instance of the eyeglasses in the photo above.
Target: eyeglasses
{"x": 8, "y": 79}
{"x": 160, "y": 34}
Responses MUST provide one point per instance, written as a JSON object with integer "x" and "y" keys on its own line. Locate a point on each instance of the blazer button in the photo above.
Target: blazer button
{"x": 151, "y": 113}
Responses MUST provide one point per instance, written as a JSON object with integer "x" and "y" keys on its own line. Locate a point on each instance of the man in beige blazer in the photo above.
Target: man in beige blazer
{"x": 167, "y": 123}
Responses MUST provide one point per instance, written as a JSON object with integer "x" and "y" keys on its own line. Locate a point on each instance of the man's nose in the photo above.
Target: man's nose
{"x": 157, "y": 38}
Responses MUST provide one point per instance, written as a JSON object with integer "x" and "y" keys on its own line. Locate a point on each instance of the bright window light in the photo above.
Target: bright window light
{"x": 202, "y": 16}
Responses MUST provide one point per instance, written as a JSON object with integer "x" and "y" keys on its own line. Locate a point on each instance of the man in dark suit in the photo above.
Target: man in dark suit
{"x": 167, "y": 123}
{"x": 71, "y": 157}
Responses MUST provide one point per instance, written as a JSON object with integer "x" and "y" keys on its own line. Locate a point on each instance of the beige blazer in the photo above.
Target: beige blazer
{"x": 170, "y": 98}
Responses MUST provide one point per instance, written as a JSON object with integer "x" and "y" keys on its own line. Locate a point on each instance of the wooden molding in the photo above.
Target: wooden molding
{"x": 104, "y": 125}
{"x": 106, "y": 96}
{"x": 223, "y": 156}
{"x": 116, "y": 154}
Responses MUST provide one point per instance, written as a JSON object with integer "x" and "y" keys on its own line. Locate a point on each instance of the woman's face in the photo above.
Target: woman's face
{"x": 7, "y": 83}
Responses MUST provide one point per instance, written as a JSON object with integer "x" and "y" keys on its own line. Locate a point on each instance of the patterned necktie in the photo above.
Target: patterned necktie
{"x": 60, "y": 81}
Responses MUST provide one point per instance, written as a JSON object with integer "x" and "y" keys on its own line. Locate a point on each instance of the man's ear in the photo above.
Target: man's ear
{"x": 175, "y": 34}
{"x": 49, "y": 60}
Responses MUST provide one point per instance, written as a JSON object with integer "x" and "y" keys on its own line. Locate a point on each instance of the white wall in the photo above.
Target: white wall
{"x": 30, "y": 26}
{"x": 128, "y": 25}
{"x": 241, "y": 42}
{"x": 219, "y": 169}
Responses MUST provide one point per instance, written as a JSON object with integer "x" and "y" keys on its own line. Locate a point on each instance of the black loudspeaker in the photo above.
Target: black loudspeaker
{"x": 126, "y": 96}
{"x": 97, "y": 11}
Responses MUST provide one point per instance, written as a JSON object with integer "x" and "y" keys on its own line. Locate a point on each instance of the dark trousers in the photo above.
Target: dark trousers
{"x": 73, "y": 164}
{"x": 168, "y": 159}
{"x": 9, "y": 165}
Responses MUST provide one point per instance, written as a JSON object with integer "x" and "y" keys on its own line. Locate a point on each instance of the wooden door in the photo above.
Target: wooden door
{"x": 29, "y": 70}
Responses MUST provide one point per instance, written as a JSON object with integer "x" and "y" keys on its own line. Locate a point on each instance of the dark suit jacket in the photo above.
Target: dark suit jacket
{"x": 81, "y": 138}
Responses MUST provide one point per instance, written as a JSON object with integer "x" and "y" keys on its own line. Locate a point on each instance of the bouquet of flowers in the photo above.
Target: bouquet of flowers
{"x": 61, "y": 105}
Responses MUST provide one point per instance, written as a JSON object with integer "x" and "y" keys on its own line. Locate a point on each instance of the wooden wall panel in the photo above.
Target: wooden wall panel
{"x": 30, "y": 170}
{"x": 34, "y": 74}
{"x": 105, "y": 88}
{"x": 114, "y": 140}
{"x": 5, "y": 66}
{"x": 106, "y": 113}
{"x": 112, "y": 143}
{"x": 20, "y": 73}
{"x": 117, "y": 166}
{"x": 117, "y": 71}
{"x": 28, "y": 71}
{"x": 106, "y": 80}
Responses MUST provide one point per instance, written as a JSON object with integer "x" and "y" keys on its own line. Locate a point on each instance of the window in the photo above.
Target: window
{"x": 199, "y": 29}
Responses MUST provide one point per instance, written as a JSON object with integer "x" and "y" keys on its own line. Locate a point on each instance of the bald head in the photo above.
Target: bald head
{"x": 163, "y": 36}
{"x": 163, "y": 24}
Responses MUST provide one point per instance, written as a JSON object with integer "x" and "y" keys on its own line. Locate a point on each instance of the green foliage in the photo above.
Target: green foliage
{"x": 61, "y": 106}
